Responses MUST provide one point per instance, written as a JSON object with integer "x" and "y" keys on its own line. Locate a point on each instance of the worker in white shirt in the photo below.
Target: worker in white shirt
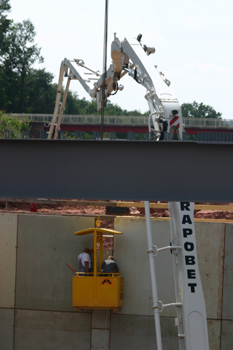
{"x": 84, "y": 260}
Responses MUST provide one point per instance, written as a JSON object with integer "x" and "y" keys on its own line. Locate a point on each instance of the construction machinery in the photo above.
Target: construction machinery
{"x": 133, "y": 58}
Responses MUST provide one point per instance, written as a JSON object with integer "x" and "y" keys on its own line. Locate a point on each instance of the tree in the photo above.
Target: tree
{"x": 76, "y": 106}
{"x": 40, "y": 93}
{"x": 199, "y": 110}
{"x": 4, "y": 24}
{"x": 4, "y": 27}
{"x": 9, "y": 91}
{"x": 21, "y": 55}
{"x": 13, "y": 125}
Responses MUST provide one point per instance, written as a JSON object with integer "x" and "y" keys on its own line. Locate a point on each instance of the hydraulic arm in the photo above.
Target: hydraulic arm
{"x": 131, "y": 59}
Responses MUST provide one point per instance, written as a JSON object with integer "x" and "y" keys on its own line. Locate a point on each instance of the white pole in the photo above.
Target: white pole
{"x": 153, "y": 277}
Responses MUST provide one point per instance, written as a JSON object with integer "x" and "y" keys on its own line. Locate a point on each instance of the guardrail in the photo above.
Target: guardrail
{"x": 124, "y": 120}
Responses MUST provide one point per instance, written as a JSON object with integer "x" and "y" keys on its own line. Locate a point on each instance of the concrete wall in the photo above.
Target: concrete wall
{"x": 133, "y": 258}
{"x": 36, "y": 297}
{"x": 45, "y": 246}
{"x": 8, "y": 243}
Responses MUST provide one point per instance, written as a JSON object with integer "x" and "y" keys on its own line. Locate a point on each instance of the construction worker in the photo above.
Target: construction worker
{"x": 110, "y": 266}
{"x": 84, "y": 261}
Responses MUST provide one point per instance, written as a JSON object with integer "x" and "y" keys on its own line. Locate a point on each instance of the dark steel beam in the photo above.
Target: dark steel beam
{"x": 120, "y": 170}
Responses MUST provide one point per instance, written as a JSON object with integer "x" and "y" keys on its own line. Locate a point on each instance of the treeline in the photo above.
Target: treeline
{"x": 27, "y": 90}
{"x": 24, "y": 89}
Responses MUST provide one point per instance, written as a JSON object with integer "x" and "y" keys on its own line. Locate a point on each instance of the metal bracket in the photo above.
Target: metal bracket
{"x": 171, "y": 304}
{"x": 157, "y": 250}
{"x": 159, "y": 305}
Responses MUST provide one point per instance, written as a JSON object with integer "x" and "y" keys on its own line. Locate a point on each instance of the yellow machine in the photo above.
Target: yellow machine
{"x": 97, "y": 290}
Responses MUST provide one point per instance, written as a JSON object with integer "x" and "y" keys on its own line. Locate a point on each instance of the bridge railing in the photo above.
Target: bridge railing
{"x": 208, "y": 122}
{"x": 124, "y": 120}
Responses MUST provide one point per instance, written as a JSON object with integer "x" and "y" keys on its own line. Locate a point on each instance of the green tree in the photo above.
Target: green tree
{"x": 76, "y": 106}
{"x": 13, "y": 125}
{"x": 9, "y": 91}
{"x": 71, "y": 106}
{"x": 4, "y": 24}
{"x": 40, "y": 93}
{"x": 198, "y": 110}
{"x": 22, "y": 53}
{"x": 4, "y": 27}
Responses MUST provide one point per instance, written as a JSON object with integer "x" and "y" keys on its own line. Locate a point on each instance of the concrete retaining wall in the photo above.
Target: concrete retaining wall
{"x": 36, "y": 297}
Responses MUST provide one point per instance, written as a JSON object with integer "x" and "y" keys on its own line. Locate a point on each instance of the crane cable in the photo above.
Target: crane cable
{"x": 104, "y": 68}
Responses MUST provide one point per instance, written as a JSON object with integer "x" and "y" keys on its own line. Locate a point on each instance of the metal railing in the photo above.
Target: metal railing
{"x": 208, "y": 123}
{"x": 215, "y": 137}
{"x": 124, "y": 120}
{"x": 87, "y": 119}
{"x": 95, "y": 135}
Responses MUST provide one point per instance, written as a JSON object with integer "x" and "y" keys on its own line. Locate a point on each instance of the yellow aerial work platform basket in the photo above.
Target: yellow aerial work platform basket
{"x": 98, "y": 290}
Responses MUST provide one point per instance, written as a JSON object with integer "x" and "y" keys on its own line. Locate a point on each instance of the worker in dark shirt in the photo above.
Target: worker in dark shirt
{"x": 110, "y": 266}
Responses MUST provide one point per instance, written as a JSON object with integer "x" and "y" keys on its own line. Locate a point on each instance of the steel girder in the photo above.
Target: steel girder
{"x": 120, "y": 170}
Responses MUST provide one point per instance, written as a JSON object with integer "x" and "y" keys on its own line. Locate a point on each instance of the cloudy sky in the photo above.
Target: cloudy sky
{"x": 193, "y": 42}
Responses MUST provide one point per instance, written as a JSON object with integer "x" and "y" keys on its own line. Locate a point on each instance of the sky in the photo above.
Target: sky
{"x": 193, "y": 42}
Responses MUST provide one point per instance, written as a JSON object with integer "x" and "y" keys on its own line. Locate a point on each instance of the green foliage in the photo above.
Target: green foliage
{"x": 19, "y": 58}
{"x": 74, "y": 105}
{"x": 199, "y": 110}
{"x": 70, "y": 135}
{"x": 13, "y": 125}
{"x": 4, "y": 25}
{"x": 40, "y": 93}
{"x": 191, "y": 137}
{"x": 22, "y": 53}
{"x": 114, "y": 109}
{"x": 87, "y": 135}
{"x": 140, "y": 136}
